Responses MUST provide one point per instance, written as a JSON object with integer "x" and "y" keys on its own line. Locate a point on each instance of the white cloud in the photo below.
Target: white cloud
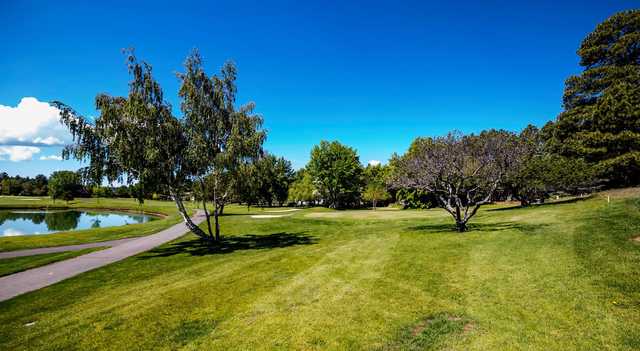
{"x": 32, "y": 123}
{"x": 374, "y": 162}
{"x": 18, "y": 153}
{"x": 51, "y": 158}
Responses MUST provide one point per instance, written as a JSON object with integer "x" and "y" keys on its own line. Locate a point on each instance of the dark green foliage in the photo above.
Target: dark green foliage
{"x": 601, "y": 121}
{"x": 23, "y": 186}
{"x": 273, "y": 175}
{"x": 337, "y": 174}
{"x": 416, "y": 199}
{"x": 536, "y": 173}
{"x": 64, "y": 185}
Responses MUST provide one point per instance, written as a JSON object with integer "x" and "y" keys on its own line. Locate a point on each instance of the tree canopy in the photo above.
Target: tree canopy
{"x": 219, "y": 137}
{"x": 462, "y": 171}
{"x": 337, "y": 173}
{"x": 601, "y": 118}
{"x": 64, "y": 185}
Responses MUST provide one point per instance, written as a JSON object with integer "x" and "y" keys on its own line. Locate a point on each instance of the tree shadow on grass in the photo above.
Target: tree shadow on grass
{"x": 229, "y": 244}
{"x": 479, "y": 227}
{"x": 558, "y": 202}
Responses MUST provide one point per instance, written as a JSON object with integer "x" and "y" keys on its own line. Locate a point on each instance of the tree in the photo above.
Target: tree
{"x": 219, "y": 137}
{"x": 272, "y": 176}
{"x": 522, "y": 181}
{"x": 601, "y": 117}
{"x": 336, "y": 173}
{"x": 375, "y": 192}
{"x": 416, "y": 198}
{"x": 282, "y": 178}
{"x": 536, "y": 172}
{"x": 375, "y": 177}
{"x": 5, "y": 186}
{"x": 134, "y": 138}
{"x": 463, "y": 171}
{"x": 40, "y": 185}
{"x": 64, "y": 185}
{"x": 302, "y": 190}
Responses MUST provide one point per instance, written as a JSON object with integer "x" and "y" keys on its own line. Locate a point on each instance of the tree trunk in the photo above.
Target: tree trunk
{"x": 461, "y": 226}
{"x": 215, "y": 209}
{"x": 221, "y": 209}
{"x": 215, "y": 216}
{"x": 185, "y": 216}
{"x": 374, "y": 205}
{"x": 204, "y": 206}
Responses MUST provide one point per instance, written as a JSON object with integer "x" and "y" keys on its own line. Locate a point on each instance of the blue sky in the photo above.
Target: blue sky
{"x": 373, "y": 75}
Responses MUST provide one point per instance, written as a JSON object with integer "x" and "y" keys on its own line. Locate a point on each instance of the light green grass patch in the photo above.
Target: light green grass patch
{"x": 554, "y": 277}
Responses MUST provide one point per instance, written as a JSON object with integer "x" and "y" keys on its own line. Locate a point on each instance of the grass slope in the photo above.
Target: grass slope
{"x": 553, "y": 277}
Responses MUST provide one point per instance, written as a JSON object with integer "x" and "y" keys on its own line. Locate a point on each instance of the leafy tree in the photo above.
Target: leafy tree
{"x": 220, "y": 138}
{"x": 282, "y": 178}
{"x": 24, "y": 186}
{"x": 336, "y": 173}
{"x": 375, "y": 192}
{"x": 64, "y": 185}
{"x": 375, "y": 177}
{"x": 416, "y": 198}
{"x": 5, "y": 186}
{"x": 463, "y": 171}
{"x": 601, "y": 118}
{"x": 134, "y": 138}
{"x": 535, "y": 173}
{"x": 302, "y": 189}
{"x": 246, "y": 185}
{"x": 122, "y": 191}
{"x": 40, "y": 185}
{"x": 273, "y": 176}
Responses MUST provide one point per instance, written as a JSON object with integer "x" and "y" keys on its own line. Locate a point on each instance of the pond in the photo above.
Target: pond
{"x": 33, "y": 222}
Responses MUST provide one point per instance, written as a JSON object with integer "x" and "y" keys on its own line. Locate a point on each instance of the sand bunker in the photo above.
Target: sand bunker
{"x": 267, "y": 216}
{"x": 289, "y": 210}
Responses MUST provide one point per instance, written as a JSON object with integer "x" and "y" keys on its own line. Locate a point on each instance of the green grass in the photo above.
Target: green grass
{"x": 166, "y": 208}
{"x": 555, "y": 277}
{"x": 19, "y": 264}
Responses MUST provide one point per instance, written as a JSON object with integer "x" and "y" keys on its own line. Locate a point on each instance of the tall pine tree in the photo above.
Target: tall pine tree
{"x": 601, "y": 118}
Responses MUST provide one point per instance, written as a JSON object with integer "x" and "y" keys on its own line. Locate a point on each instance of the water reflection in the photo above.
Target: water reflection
{"x": 23, "y": 222}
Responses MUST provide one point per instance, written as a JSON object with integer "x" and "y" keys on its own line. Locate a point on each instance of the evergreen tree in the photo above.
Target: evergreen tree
{"x": 601, "y": 120}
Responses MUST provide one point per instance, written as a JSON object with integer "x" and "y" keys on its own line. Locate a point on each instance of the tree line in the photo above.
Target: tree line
{"x": 216, "y": 149}
{"x": 594, "y": 142}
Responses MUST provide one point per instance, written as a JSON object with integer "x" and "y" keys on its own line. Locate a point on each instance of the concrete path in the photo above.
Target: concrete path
{"x": 54, "y": 249}
{"x": 33, "y": 279}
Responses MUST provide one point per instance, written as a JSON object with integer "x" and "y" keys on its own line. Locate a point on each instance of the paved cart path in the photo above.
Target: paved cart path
{"x": 54, "y": 249}
{"x": 33, "y": 279}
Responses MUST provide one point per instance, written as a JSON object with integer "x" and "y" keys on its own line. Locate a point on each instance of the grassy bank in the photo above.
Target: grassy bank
{"x": 553, "y": 277}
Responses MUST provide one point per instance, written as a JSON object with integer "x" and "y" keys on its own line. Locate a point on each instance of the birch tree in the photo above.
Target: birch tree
{"x": 220, "y": 137}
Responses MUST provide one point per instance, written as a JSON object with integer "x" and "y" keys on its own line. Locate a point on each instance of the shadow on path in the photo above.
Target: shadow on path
{"x": 197, "y": 247}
